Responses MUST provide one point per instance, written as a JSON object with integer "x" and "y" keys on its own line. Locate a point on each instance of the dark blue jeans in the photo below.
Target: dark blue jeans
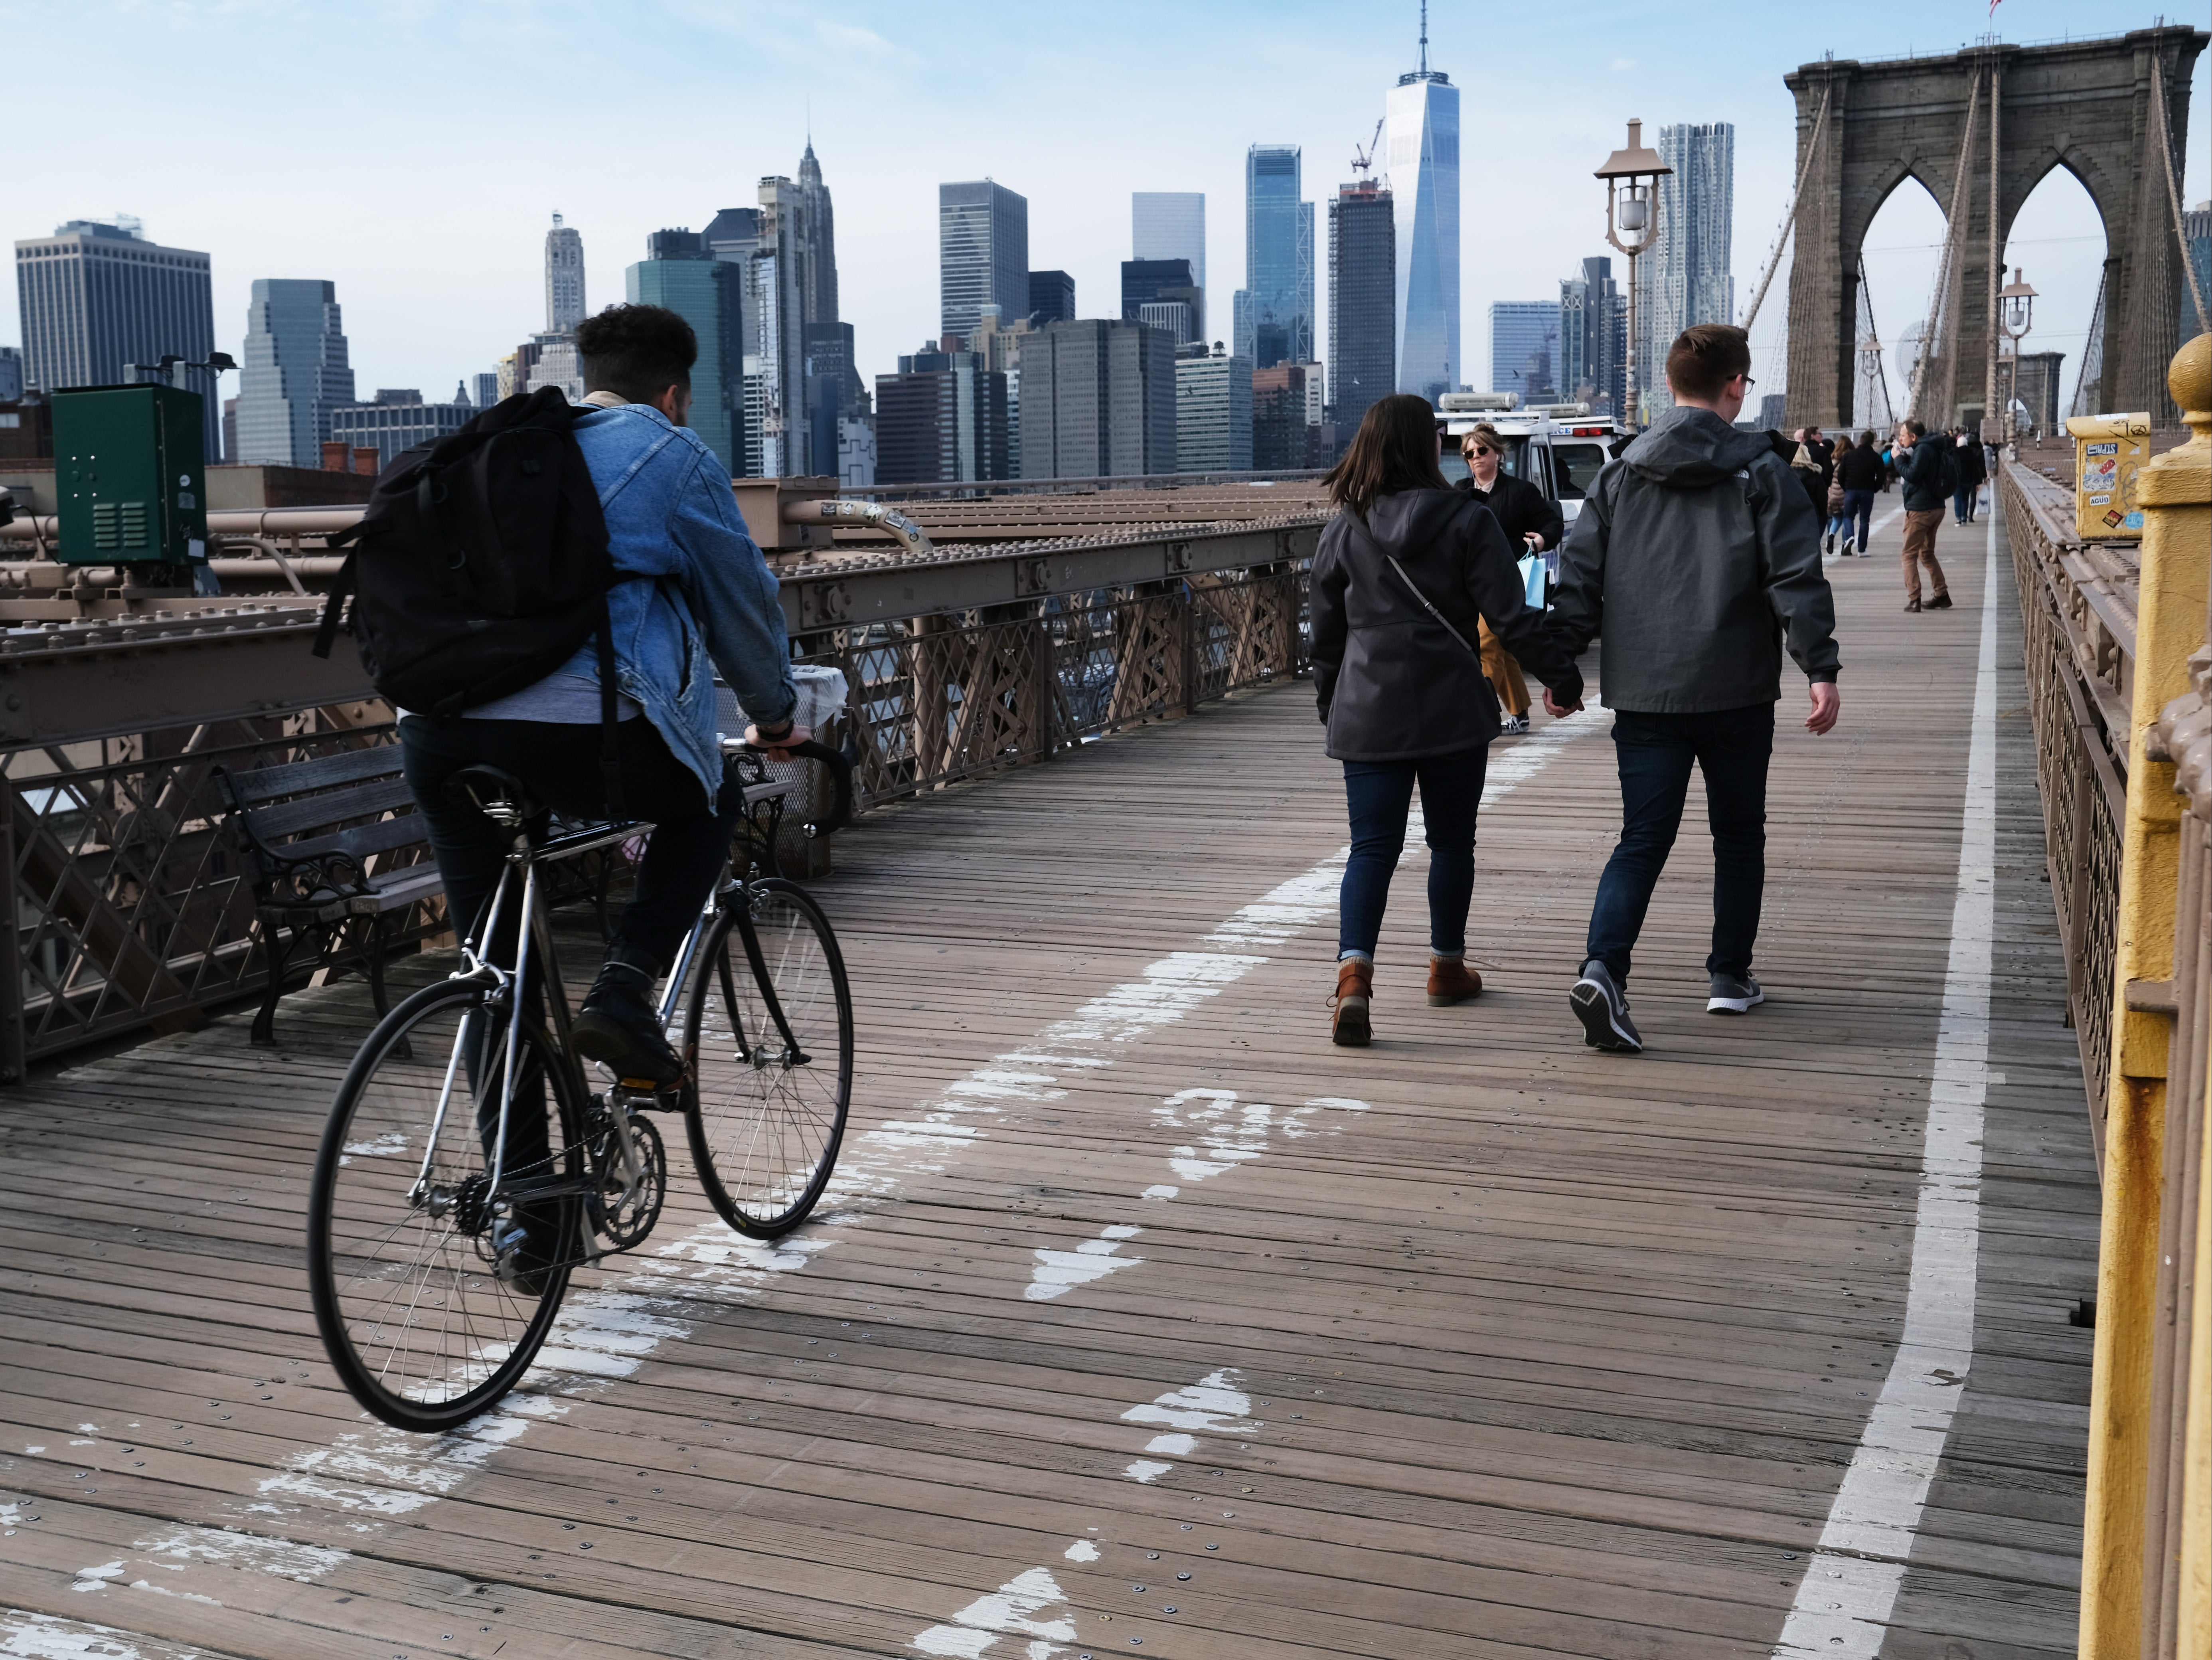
{"x": 1731, "y": 747}
{"x": 1858, "y": 509}
{"x": 1379, "y": 793}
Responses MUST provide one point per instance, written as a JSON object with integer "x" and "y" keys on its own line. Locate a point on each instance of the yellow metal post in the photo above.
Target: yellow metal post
{"x": 2176, "y": 492}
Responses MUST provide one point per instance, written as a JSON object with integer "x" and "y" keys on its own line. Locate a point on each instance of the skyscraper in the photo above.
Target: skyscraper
{"x": 1098, "y": 401}
{"x": 1274, "y": 309}
{"x": 678, "y": 272}
{"x": 1524, "y": 334}
{"x": 1213, "y": 414}
{"x": 1688, "y": 272}
{"x": 778, "y": 337}
{"x": 11, "y": 374}
{"x": 983, "y": 254}
{"x": 1163, "y": 282}
{"x": 1171, "y": 225}
{"x": 1362, "y": 299}
{"x": 94, "y": 297}
{"x": 1052, "y": 297}
{"x": 293, "y": 374}
{"x": 941, "y": 425}
{"x": 817, "y": 244}
{"x": 1421, "y": 161}
{"x": 1592, "y": 361}
{"x": 564, "y": 279}
{"x": 833, "y": 389}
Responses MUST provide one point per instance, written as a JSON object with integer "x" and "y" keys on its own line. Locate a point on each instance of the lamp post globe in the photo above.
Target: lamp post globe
{"x": 2016, "y": 317}
{"x": 1632, "y": 175}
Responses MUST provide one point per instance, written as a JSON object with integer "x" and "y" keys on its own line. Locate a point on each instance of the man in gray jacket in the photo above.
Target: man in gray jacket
{"x": 1697, "y": 557}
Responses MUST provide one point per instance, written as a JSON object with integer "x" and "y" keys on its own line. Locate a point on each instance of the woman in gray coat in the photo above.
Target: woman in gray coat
{"x": 1405, "y": 575}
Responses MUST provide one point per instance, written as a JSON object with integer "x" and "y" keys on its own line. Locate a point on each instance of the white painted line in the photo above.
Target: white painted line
{"x": 1006, "y": 1612}
{"x": 26, "y": 1636}
{"x": 1843, "y": 1604}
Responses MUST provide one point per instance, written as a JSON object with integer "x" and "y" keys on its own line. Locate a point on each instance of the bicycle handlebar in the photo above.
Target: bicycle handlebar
{"x": 840, "y": 774}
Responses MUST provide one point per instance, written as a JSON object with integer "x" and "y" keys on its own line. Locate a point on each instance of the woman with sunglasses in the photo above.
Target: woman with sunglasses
{"x": 1533, "y": 523}
{"x": 1404, "y": 574}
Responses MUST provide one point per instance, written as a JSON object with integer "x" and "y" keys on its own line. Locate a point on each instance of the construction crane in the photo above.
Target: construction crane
{"x": 1363, "y": 160}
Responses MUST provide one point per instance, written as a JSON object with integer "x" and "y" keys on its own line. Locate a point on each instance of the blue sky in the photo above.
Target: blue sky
{"x": 411, "y": 150}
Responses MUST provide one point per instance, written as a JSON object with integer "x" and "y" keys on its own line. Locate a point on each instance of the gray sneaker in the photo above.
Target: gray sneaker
{"x": 1734, "y": 995}
{"x": 1603, "y": 1008}
{"x": 1512, "y": 726}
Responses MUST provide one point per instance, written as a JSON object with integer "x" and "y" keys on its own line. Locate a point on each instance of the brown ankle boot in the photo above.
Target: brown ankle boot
{"x": 1450, "y": 981}
{"x": 1355, "y": 985}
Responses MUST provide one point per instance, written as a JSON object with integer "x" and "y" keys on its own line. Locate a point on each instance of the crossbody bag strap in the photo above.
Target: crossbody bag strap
{"x": 1426, "y": 606}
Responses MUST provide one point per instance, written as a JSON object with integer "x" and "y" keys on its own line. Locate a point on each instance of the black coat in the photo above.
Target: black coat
{"x": 1394, "y": 685}
{"x": 1696, "y": 556}
{"x": 1519, "y": 507}
{"x": 1861, "y": 470}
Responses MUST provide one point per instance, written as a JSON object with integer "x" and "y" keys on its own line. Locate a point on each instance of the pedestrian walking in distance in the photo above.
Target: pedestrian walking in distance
{"x": 1697, "y": 556}
{"x": 1859, "y": 471}
{"x": 1925, "y": 470}
{"x": 1532, "y": 524}
{"x": 1405, "y": 576}
{"x": 1970, "y": 470}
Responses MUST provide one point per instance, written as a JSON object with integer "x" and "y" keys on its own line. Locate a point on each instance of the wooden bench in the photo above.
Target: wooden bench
{"x": 337, "y": 854}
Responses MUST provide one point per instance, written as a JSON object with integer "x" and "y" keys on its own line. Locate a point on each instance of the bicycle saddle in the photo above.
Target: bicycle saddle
{"x": 497, "y": 793}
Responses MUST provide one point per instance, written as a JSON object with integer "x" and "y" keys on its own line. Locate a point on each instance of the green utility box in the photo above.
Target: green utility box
{"x": 130, "y": 472}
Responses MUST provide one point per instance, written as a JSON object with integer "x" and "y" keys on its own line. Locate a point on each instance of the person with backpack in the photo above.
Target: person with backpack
{"x": 683, "y": 590}
{"x": 1404, "y": 577}
{"x": 1926, "y": 473}
{"x": 1697, "y": 556}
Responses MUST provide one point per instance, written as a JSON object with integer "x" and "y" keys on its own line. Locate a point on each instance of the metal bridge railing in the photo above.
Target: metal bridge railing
{"x": 2133, "y": 879}
{"x": 2077, "y": 616}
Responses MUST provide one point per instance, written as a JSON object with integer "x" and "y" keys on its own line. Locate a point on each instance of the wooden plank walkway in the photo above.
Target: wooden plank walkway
{"x": 1142, "y": 1320}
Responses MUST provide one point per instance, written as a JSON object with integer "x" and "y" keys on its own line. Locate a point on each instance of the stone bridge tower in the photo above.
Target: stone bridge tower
{"x": 2086, "y": 106}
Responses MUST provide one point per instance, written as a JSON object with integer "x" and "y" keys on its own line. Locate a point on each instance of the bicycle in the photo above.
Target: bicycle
{"x": 468, "y": 1167}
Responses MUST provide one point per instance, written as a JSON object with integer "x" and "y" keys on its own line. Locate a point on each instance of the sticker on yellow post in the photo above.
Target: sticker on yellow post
{"x": 2109, "y": 450}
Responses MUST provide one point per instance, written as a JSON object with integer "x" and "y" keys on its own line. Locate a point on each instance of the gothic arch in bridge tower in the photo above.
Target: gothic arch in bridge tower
{"x": 2085, "y": 105}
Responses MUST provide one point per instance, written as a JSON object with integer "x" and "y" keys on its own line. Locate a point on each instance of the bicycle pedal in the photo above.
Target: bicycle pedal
{"x": 643, "y": 1095}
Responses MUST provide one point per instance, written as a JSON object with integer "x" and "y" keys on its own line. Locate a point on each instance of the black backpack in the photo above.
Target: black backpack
{"x": 481, "y": 564}
{"x": 1952, "y": 476}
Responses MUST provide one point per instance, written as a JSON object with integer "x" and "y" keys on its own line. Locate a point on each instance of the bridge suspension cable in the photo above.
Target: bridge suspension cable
{"x": 1790, "y": 218}
{"x": 1950, "y": 266}
{"x": 2173, "y": 194}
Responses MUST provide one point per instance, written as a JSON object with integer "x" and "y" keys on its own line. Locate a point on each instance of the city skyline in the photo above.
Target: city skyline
{"x": 1530, "y": 213}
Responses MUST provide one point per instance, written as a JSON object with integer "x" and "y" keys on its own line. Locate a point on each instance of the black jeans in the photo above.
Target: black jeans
{"x": 560, "y": 763}
{"x": 1379, "y": 794}
{"x": 1732, "y": 748}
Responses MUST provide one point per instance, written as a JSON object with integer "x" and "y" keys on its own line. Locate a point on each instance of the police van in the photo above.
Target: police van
{"x": 1558, "y": 447}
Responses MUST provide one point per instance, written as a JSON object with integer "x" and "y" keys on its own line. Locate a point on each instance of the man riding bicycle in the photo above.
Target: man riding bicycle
{"x": 703, "y": 599}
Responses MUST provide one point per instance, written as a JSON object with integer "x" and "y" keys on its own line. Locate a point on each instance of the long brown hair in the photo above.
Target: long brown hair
{"x": 1394, "y": 450}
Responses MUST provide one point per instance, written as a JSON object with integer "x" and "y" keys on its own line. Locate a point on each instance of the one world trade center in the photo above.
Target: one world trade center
{"x": 1422, "y": 156}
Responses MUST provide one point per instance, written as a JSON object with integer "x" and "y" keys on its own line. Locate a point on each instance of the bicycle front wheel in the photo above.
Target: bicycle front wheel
{"x": 432, "y": 1290}
{"x": 769, "y": 1027}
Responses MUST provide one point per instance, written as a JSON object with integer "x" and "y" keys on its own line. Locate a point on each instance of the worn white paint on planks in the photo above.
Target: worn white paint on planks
{"x": 1843, "y": 1605}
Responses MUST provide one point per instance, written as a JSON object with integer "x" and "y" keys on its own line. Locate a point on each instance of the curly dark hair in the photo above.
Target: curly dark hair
{"x": 636, "y": 352}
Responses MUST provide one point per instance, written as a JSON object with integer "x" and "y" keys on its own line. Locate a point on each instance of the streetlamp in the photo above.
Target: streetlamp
{"x": 2015, "y": 315}
{"x": 1870, "y": 372}
{"x": 1631, "y": 176}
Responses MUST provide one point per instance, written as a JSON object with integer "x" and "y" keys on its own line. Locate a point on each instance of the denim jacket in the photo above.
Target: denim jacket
{"x": 712, "y": 600}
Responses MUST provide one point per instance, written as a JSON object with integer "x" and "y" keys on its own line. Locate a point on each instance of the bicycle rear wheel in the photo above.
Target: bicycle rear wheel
{"x": 431, "y": 1302}
{"x": 768, "y": 1110}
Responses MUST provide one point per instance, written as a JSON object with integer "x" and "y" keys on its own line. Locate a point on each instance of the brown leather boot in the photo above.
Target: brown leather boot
{"x": 1355, "y": 985}
{"x": 1450, "y": 981}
